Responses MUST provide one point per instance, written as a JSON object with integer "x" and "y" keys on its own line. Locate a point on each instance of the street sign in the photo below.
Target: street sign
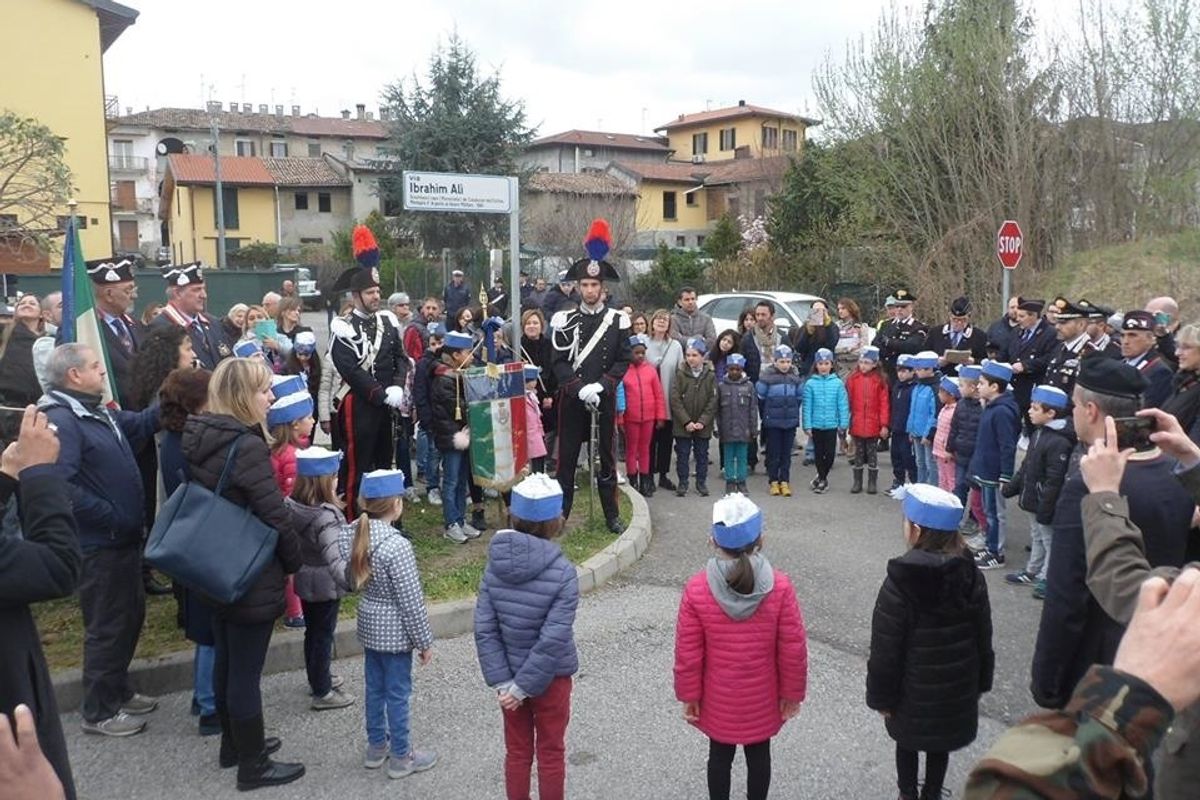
{"x": 1009, "y": 243}
{"x": 444, "y": 191}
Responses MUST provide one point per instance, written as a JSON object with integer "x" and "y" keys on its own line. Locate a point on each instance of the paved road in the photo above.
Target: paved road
{"x": 626, "y": 738}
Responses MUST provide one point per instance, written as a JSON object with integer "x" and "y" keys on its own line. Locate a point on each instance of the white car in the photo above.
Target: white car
{"x": 791, "y": 308}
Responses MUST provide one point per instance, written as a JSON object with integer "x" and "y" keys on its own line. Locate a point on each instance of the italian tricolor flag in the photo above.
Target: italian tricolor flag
{"x": 496, "y": 416}
{"x": 81, "y": 321}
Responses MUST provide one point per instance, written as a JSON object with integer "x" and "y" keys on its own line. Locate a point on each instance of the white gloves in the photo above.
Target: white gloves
{"x": 394, "y": 396}
{"x": 462, "y": 439}
{"x": 590, "y": 394}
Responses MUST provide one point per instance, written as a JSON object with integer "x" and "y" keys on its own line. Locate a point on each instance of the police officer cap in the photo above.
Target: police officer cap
{"x": 1068, "y": 310}
{"x": 904, "y": 296}
{"x": 183, "y": 274}
{"x": 107, "y": 271}
{"x": 1030, "y": 305}
{"x": 1093, "y": 310}
{"x": 1138, "y": 321}
{"x": 961, "y": 307}
{"x": 1112, "y": 377}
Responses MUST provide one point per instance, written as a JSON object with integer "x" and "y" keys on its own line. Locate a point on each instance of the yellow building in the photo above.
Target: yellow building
{"x": 188, "y": 204}
{"x": 52, "y": 71}
{"x": 741, "y": 131}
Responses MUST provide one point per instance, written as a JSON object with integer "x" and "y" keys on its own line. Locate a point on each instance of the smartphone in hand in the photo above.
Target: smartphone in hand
{"x": 1135, "y": 432}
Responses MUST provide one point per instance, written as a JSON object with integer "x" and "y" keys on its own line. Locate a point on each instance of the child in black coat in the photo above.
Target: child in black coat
{"x": 931, "y": 642}
{"x": 1040, "y": 479}
{"x": 904, "y": 461}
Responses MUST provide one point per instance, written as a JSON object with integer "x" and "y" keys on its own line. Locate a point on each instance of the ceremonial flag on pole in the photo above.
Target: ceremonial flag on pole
{"x": 496, "y": 416}
{"x": 80, "y": 319}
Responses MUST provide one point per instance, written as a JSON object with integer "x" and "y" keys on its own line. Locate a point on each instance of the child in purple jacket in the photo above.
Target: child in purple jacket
{"x": 524, "y": 621}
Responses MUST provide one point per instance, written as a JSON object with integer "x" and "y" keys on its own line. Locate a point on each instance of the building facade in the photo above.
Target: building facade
{"x": 592, "y": 151}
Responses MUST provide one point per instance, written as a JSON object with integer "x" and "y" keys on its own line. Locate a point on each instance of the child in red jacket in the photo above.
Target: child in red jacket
{"x": 741, "y": 654}
{"x": 645, "y": 408}
{"x": 290, "y": 422}
{"x": 870, "y": 410}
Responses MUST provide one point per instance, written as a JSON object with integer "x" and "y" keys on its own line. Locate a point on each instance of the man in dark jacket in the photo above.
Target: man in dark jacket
{"x": 1075, "y": 632}
{"x": 957, "y": 334}
{"x": 422, "y": 376}
{"x": 1139, "y": 351}
{"x": 903, "y": 334}
{"x": 1029, "y": 350}
{"x": 97, "y": 460}
{"x": 1000, "y": 332}
{"x": 457, "y": 295}
{"x": 560, "y": 297}
{"x": 42, "y": 564}
{"x": 186, "y": 300}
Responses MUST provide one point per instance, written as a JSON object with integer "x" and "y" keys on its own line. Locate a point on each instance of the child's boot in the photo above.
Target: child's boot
{"x": 730, "y": 487}
{"x": 478, "y": 521}
{"x": 857, "y": 487}
{"x": 872, "y": 481}
{"x": 702, "y": 488}
{"x": 774, "y": 492}
{"x": 648, "y": 484}
{"x": 785, "y": 489}
{"x": 741, "y": 487}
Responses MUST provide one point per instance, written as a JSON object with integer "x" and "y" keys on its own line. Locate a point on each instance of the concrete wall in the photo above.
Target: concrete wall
{"x": 562, "y": 158}
{"x": 748, "y": 133}
{"x": 194, "y": 232}
{"x": 313, "y": 224}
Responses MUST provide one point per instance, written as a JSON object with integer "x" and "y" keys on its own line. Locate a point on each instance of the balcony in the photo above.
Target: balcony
{"x": 142, "y": 205}
{"x": 127, "y": 163}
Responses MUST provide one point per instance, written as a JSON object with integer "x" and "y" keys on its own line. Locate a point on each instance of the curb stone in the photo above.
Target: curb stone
{"x": 173, "y": 672}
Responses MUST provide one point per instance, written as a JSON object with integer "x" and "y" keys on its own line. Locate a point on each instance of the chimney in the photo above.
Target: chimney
{"x": 295, "y": 111}
{"x": 247, "y": 108}
{"x": 361, "y": 110}
{"x": 263, "y": 108}
{"x": 384, "y": 115}
{"x": 233, "y": 107}
{"x": 345, "y": 113}
{"x": 741, "y": 103}
{"x": 128, "y": 110}
{"x": 213, "y": 105}
{"x": 370, "y": 115}
{"x": 279, "y": 111}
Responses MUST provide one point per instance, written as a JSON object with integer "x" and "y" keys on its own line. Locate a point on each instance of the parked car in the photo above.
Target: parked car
{"x": 162, "y": 256}
{"x": 791, "y": 308}
{"x": 306, "y": 287}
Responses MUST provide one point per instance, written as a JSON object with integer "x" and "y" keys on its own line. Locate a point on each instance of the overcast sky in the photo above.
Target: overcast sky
{"x": 616, "y": 65}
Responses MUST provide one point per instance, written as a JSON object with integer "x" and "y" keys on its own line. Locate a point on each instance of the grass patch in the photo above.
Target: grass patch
{"x": 448, "y": 572}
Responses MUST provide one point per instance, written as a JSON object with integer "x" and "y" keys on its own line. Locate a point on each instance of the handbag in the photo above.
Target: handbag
{"x": 209, "y": 544}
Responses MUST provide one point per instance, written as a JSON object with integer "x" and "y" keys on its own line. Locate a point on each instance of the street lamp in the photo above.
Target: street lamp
{"x": 220, "y": 194}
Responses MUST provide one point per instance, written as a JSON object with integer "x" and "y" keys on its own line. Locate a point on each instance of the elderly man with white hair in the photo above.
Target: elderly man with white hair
{"x": 270, "y": 304}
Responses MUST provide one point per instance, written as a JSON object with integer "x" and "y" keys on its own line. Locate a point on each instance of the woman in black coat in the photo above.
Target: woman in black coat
{"x": 239, "y": 394}
{"x": 931, "y": 650}
{"x": 535, "y": 349}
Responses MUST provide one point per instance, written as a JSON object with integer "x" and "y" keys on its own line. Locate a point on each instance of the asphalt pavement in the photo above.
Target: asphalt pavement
{"x": 627, "y": 738}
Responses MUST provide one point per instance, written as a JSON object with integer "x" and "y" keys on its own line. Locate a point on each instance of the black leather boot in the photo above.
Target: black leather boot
{"x": 872, "y": 481}
{"x": 255, "y": 768}
{"x": 648, "y": 484}
{"x": 857, "y": 487}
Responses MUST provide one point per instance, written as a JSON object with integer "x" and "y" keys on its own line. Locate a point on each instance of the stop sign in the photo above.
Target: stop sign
{"x": 1009, "y": 240}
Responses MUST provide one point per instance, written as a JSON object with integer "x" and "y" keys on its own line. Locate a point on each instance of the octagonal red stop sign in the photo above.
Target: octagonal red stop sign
{"x": 1009, "y": 243}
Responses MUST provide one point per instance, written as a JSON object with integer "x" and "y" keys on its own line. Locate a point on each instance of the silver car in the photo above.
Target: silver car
{"x": 791, "y": 308}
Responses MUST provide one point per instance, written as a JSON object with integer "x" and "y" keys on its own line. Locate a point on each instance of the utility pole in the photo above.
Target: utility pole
{"x": 220, "y": 194}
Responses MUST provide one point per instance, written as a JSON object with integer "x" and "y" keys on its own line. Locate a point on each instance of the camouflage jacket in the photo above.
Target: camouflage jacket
{"x": 1096, "y": 747}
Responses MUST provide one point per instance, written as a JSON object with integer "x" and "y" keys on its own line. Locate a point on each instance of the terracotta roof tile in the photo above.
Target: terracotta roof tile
{"x": 733, "y": 112}
{"x": 303, "y": 172}
{"x": 311, "y": 125}
{"x": 191, "y": 168}
{"x": 618, "y": 141}
{"x": 673, "y": 171}
{"x": 582, "y": 183}
{"x": 742, "y": 170}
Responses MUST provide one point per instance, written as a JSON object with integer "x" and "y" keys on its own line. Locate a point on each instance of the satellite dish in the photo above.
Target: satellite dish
{"x": 169, "y": 146}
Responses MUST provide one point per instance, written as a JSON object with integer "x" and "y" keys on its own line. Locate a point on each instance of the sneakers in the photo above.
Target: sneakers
{"x": 774, "y": 491}
{"x": 478, "y": 522}
{"x": 785, "y": 489}
{"x": 412, "y": 495}
{"x": 470, "y": 531}
{"x": 621, "y": 481}
{"x": 139, "y": 704}
{"x": 702, "y": 489}
{"x": 741, "y": 487}
{"x": 455, "y": 534}
{"x": 336, "y": 681}
{"x": 376, "y": 755}
{"x": 434, "y": 497}
{"x": 1021, "y": 578}
{"x": 821, "y": 486}
{"x": 730, "y": 487}
{"x": 335, "y": 699}
{"x": 1039, "y": 590}
{"x": 977, "y": 542}
{"x": 681, "y": 489}
{"x": 415, "y": 761}
{"x": 293, "y": 622}
{"x": 209, "y": 725}
{"x": 119, "y": 724}
{"x": 988, "y": 560}
{"x": 813, "y": 483}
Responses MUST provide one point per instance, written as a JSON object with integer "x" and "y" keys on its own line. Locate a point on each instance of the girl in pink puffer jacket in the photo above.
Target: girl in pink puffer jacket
{"x": 741, "y": 654}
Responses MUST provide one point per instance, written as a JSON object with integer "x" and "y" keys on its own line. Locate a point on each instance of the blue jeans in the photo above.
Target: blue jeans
{"x": 961, "y": 487}
{"x": 456, "y": 477}
{"x": 993, "y": 508}
{"x": 684, "y": 447}
{"x": 780, "y": 442}
{"x": 430, "y": 459}
{"x": 389, "y": 687}
{"x": 202, "y": 679}
{"x": 926, "y": 467}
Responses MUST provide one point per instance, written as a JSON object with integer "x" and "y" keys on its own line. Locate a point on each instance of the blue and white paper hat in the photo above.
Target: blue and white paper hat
{"x": 458, "y": 341}
{"x": 381, "y": 483}
{"x": 870, "y": 353}
{"x": 926, "y": 359}
{"x": 735, "y": 360}
{"x": 306, "y": 342}
{"x": 290, "y": 408}
{"x": 782, "y": 351}
{"x": 970, "y": 372}
{"x": 950, "y": 386}
{"x": 998, "y": 370}
{"x": 1050, "y": 396}
{"x": 283, "y": 385}
{"x": 737, "y": 522}
{"x": 436, "y": 329}
{"x": 639, "y": 340}
{"x": 538, "y": 498}
{"x": 697, "y": 344}
{"x": 904, "y": 361}
{"x": 932, "y": 507}
{"x": 247, "y": 348}
{"x": 531, "y": 372}
{"x": 823, "y": 354}
{"x": 317, "y": 462}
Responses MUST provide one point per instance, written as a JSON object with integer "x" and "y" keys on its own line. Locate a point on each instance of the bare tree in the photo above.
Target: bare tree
{"x": 558, "y": 208}
{"x": 35, "y": 181}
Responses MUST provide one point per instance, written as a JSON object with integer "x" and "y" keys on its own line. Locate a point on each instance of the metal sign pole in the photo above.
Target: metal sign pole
{"x": 1006, "y": 289}
{"x": 514, "y": 266}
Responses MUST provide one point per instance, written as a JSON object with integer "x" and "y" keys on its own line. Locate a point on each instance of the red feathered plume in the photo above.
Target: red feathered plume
{"x": 366, "y": 250}
{"x": 598, "y": 240}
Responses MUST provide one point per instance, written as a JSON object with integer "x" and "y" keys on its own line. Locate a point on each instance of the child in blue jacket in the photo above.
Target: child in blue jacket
{"x": 995, "y": 454}
{"x": 826, "y": 415}
{"x": 524, "y": 635}
{"x": 923, "y": 413}
{"x": 904, "y": 463}
{"x": 780, "y": 389}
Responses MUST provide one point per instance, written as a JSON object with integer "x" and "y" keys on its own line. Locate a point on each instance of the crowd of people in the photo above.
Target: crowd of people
{"x": 970, "y": 417}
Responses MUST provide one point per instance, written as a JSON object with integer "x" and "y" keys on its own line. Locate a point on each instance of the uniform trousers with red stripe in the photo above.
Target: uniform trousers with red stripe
{"x": 365, "y": 435}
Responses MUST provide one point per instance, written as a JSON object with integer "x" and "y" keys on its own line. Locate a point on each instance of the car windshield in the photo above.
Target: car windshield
{"x": 800, "y": 308}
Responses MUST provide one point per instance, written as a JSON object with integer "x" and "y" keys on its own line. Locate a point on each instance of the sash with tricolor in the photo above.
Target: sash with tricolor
{"x": 80, "y": 319}
{"x": 496, "y": 415}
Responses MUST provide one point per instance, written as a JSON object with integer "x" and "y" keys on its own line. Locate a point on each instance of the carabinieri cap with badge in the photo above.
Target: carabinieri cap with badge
{"x": 183, "y": 274}
{"x": 597, "y": 243}
{"x": 366, "y": 274}
{"x": 107, "y": 271}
